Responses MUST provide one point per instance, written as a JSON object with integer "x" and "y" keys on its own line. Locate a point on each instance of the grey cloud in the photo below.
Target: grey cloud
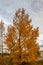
{"x": 37, "y": 5}
{"x": 33, "y": 7}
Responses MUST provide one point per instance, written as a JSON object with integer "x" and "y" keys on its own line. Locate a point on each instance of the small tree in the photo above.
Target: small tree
{"x": 21, "y": 38}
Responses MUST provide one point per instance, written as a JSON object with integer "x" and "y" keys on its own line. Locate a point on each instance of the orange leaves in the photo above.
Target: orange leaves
{"x": 34, "y": 48}
{"x": 12, "y": 54}
{"x": 25, "y": 28}
{"x": 21, "y": 38}
{"x": 35, "y": 33}
{"x": 11, "y": 29}
{"x": 10, "y": 34}
{"x": 2, "y": 26}
{"x": 0, "y": 34}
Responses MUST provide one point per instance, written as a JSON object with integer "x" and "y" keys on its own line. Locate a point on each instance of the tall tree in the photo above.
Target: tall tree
{"x": 2, "y": 36}
{"x": 21, "y": 38}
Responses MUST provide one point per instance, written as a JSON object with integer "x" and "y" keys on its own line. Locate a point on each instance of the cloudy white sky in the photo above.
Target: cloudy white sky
{"x": 33, "y": 7}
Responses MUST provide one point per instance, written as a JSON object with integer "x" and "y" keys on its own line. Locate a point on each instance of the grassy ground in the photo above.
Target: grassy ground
{"x": 7, "y": 61}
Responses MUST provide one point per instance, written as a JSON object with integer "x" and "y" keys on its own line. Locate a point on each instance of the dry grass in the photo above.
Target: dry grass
{"x": 8, "y": 61}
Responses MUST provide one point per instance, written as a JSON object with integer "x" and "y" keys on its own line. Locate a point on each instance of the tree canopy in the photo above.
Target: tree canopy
{"x": 21, "y": 38}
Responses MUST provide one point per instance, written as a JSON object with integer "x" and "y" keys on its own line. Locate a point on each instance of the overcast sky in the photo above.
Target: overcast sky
{"x": 33, "y": 7}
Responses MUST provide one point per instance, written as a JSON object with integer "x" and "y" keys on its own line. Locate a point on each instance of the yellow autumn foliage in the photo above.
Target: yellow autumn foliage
{"x": 21, "y": 38}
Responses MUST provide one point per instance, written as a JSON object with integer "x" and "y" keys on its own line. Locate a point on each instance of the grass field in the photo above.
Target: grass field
{"x": 7, "y": 61}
